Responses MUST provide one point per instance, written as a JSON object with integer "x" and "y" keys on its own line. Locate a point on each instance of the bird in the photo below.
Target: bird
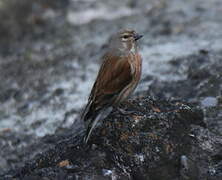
{"x": 117, "y": 78}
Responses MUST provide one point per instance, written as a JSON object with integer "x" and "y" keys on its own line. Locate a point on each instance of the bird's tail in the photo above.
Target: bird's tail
{"x": 92, "y": 121}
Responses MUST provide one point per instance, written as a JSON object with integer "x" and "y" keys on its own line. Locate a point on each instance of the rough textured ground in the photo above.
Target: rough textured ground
{"x": 135, "y": 146}
{"x": 50, "y": 55}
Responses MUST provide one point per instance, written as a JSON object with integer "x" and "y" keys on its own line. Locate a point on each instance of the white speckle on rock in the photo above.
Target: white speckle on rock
{"x": 209, "y": 102}
{"x": 107, "y": 172}
{"x": 140, "y": 157}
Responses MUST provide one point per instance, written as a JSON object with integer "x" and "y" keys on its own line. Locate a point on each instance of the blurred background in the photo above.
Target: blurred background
{"x": 50, "y": 53}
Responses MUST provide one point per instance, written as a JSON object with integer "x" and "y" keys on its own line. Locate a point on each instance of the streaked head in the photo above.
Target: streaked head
{"x": 124, "y": 40}
{"x": 129, "y": 36}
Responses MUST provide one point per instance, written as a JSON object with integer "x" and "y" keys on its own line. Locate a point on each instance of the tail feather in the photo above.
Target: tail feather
{"x": 84, "y": 115}
{"x": 103, "y": 113}
{"x": 90, "y": 127}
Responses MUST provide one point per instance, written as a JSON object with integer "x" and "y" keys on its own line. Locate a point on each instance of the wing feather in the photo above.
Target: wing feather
{"x": 114, "y": 75}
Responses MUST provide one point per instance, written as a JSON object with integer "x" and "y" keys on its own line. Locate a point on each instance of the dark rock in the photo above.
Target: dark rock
{"x": 143, "y": 145}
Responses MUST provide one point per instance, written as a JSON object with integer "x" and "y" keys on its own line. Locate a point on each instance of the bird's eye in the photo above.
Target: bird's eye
{"x": 125, "y": 36}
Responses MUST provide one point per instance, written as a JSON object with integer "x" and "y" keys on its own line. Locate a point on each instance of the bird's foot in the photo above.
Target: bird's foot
{"x": 125, "y": 112}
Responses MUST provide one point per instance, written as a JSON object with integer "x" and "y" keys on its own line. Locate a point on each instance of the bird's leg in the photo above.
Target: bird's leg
{"x": 124, "y": 112}
{"x": 127, "y": 112}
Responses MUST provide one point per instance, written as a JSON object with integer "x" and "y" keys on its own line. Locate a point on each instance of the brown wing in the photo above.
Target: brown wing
{"x": 113, "y": 77}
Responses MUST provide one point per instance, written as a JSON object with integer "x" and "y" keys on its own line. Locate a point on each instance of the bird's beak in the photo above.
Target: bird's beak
{"x": 137, "y": 36}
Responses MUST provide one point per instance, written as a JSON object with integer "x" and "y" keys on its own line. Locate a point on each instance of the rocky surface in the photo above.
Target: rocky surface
{"x": 48, "y": 62}
{"x": 145, "y": 144}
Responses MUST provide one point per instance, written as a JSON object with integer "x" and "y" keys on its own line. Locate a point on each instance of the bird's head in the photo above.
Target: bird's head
{"x": 124, "y": 41}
